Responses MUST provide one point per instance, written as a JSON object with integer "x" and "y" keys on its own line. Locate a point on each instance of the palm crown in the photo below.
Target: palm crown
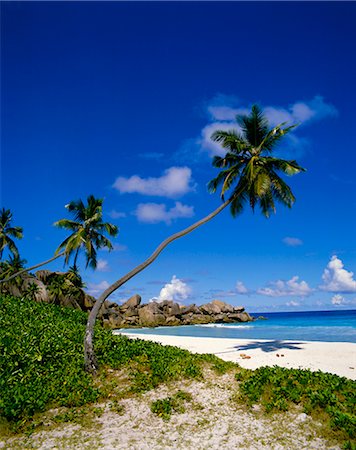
{"x": 87, "y": 229}
{"x": 249, "y": 169}
{"x": 7, "y": 232}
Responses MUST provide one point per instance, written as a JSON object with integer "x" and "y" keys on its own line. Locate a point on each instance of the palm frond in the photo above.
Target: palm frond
{"x": 287, "y": 167}
{"x": 254, "y": 126}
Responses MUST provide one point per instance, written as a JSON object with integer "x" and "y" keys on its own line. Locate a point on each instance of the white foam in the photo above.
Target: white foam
{"x": 222, "y": 325}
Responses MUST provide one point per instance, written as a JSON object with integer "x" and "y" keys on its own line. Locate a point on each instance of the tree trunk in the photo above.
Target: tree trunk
{"x": 90, "y": 361}
{"x": 33, "y": 267}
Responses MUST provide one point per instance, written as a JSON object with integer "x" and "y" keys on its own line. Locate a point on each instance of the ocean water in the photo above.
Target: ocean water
{"x": 329, "y": 326}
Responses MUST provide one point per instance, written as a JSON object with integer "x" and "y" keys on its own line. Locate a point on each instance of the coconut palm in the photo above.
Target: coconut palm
{"x": 10, "y": 271}
{"x": 87, "y": 233}
{"x": 8, "y": 232}
{"x": 249, "y": 173}
{"x": 87, "y": 230}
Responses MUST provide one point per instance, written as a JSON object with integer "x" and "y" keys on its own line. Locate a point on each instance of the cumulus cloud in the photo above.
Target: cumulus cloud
{"x": 176, "y": 290}
{"x": 222, "y": 114}
{"x": 226, "y": 112}
{"x": 158, "y": 212}
{"x": 102, "y": 265}
{"x": 301, "y": 112}
{"x": 292, "y": 241}
{"x": 337, "y": 300}
{"x": 116, "y": 214}
{"x": 336, "y": 278}
{"x": 282, "y": 288}
{"x": 212, "y": 147}
{"x": 175, "y": 182}
{"x": 97, "y": 288}
{"x": 293, "y": 303}
{"x": 241, "y": 288}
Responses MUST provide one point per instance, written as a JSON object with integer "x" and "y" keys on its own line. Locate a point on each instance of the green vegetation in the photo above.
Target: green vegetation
{"x": 166, "y": 406}
{"x": 42, "y": 364}
{"x": 42, "y": 367}
{"x": 326, "y": 397}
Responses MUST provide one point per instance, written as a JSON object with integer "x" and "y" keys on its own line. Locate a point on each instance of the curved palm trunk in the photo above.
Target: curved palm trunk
{"x": 90, "y": 361}
{"x": 33, "y": 267}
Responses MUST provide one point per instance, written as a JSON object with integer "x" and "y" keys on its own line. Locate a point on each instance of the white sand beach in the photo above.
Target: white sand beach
{"x": 333, "y": 357}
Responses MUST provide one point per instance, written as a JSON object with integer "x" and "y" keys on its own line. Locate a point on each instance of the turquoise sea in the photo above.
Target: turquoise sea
{"x": 329, "y": 326}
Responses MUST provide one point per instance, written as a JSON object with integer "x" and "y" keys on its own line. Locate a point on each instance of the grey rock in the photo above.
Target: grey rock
{"x": 224, "y": 307}
{"x": 190, "y": 309}
{"x": 132, "y": 302}
{"x": 210, "y": 308}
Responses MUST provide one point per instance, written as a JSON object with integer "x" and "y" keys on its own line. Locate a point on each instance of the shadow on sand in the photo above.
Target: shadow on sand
{"x": 265, "y": 346}
{"x": 270, "y": 346}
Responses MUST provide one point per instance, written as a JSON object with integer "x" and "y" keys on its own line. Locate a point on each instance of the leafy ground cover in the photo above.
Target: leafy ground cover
{"x": 42, "y": 362}
{"x": 326, "y": 397}
{"x": 42, "y": 367}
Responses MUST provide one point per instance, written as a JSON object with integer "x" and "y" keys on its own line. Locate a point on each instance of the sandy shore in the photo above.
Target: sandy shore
{"x": 334, "y": 357}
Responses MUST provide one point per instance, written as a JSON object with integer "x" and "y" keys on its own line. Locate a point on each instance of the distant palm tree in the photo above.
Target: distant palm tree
{"x": 11, "y": 282}
{"x": 7, "y": 232}
{"x": 87, "y": 233}
{"x": 87, "y": 229}
{"x": 249, "y": 172}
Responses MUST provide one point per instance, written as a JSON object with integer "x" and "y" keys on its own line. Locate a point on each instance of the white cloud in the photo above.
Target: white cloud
{"x": 292, "y": 241}
{"x": 212, "y": 147}
{"x": 300, "y": 112}
{"x": 336, "y": 278}
{"x": 175, "y": 290}
{"x": 97, "y": 288}
{"x": 226, "y": 112}
{"x": 276, "y": 116}
{"x": 241, "y": 288}
{"x": 175, "y": 182}
{"x": 119, "y": 248}
{"x": 286, "y": 288}
{"x": 293, "y": 303}
{"x": 116, "y": 214}
{"x": 102, "y": 265}
{"x": 158, "y": 212}
{"x": 337, "y": 300}
{"x": 222, "y": 114}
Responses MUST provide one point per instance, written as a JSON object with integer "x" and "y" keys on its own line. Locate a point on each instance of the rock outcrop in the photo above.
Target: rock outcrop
{"x": 66, "y": 289}
{"x": 169, "y": 313}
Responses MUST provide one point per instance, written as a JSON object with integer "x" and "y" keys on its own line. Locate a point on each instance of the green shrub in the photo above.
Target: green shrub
{"x": 166, "y": 406}
{"x": 320, "y": 394}
{"x": 42, "y": 363}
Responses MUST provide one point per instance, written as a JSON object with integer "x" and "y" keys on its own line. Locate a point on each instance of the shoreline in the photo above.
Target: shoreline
{"x": 338, "y": 358}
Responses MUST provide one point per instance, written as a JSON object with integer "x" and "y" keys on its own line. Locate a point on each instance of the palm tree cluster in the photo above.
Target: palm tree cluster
{"x": 88, "y": 234}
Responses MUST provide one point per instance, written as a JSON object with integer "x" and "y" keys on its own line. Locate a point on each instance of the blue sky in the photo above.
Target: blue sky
{"x": 119, "y": 100}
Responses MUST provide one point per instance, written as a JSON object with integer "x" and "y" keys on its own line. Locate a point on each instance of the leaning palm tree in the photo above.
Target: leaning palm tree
{"x": 249, "y": 173}
{"x": 87, "y": 233}
{"x": 8, "y": 232}
{"x": 87, "y": 230}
